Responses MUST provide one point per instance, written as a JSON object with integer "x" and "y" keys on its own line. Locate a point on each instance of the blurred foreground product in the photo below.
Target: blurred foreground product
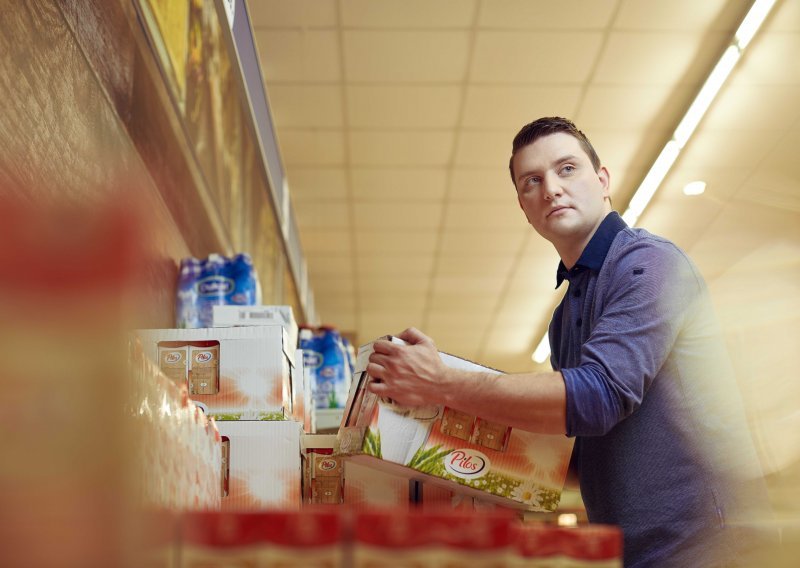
{"x": 462, "y": 453}
{"x": 233, "y": 373}
{"x": 393, "y": 538}
{"x": 596, "y": 546}
{"x": 214, "y": 281}
{"x": 67, "y": 488}
{"x": 285, "y": 538}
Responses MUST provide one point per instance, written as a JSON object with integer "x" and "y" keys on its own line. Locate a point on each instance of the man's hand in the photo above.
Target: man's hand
{"x": 410, "y": 375}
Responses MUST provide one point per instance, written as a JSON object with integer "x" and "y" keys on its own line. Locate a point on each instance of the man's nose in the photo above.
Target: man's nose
{"x": 551, "y": 188}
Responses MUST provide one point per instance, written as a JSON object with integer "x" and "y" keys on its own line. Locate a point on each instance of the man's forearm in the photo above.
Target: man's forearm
{"x": 535, "y": 402}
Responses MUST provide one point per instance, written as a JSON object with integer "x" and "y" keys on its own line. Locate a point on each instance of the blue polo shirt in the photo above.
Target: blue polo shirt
{"x": 662, "y": 448}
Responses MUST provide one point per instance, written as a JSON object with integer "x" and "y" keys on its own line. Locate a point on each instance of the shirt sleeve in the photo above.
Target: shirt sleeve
{"x": 647, "y": 291}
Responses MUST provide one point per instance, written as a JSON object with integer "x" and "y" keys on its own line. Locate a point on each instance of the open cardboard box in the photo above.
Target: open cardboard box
{"x": 442, "y": 446}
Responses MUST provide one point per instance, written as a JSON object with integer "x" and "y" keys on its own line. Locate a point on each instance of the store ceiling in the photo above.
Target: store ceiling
{"x": 395, "y": 120}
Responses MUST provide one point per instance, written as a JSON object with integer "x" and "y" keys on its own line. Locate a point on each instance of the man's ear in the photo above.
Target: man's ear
{"x": 605, "y": 181}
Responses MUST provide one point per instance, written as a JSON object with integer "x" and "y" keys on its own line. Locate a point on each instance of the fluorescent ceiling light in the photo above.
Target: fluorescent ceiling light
{"x": 756, "y": 15}
{"x": 694, "y": 188}
{"x": 752, "y": 21}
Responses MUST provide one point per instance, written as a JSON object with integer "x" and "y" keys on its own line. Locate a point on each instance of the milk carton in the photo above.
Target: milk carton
{"x": 460, "y": 452}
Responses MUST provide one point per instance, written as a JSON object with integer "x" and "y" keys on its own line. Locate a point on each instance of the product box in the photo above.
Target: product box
{"x": 235, "y": 316}
{"x": 263, "y": 465}
{"x": 323, "y": 472}
{"x": 368, "y": 488}
{"x": 267, "y": 538}
{"x": 412, "y": 538}
{"x": 439, "y": 445}
{"x": 302, "y": 406}
{"x": 235, "y": 373}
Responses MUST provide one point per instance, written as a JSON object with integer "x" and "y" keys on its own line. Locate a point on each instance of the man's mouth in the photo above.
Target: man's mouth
{"x": 557, "y": 209}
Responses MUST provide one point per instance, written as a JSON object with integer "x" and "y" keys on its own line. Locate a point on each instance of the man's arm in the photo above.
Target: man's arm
{"x": 414, "y": 375}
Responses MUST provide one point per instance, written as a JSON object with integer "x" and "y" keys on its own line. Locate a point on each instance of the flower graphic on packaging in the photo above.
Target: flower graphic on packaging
{"x": 528, "y": 493}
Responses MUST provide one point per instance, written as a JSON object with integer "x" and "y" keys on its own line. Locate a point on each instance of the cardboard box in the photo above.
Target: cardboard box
{"x": 235, "y": 316}
{"x": 459, "y": 452}
{"x": 323, "y": 472}
{"x": 368, "y": 488}
{"x": 236, "y": 373}
{"x": 263, "y": 465}
{"x": 302, "y": 405}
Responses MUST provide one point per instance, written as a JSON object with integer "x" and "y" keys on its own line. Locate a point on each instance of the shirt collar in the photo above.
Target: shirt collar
{"x": 595, "y": 252}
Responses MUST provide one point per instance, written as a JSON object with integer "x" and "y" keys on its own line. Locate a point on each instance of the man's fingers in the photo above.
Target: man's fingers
{"x": 384, "y": 347}
{"x": 413, "y": 336}
{"x": 375, "y": 370}
{"x": 377, "y": 388}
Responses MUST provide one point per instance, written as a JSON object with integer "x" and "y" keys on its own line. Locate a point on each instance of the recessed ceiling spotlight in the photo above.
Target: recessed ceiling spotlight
{"x": 694, "y": 188}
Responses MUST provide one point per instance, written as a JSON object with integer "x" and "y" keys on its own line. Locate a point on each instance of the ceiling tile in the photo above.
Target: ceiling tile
{"x": 323, "y": 215}
{"x": 333, "y": 284}
{"x": 722, "y": 182}
{"x": 414, "y": 148}
{"x": 546, "y": 15}
{"x": 506, "y": 340}
{"x": 306, "y": 106}
{"x": 397, "y": 302}
{"x": 647, "y": 58}
{"x": 785, "y": 19}
{"x": 401, "y": 106}
{"x": 680, "y": 15}
{"x": 750, "y": 107}
{"x": 683, "y": 221}
{"x": 484, "y": 149}
{"x": 394, "y": 184}
{"x": 467, "y": 241}
{"x": 486, "y": 284}
{"x": 483, "y": 184}
{"x": 483, "y": 216}
{"x": 298, "y": 13}
{"x": 458, "y": 300}
{"x": 322, "y": 265}
{"x": 335, "y": 302}
{"x": 390, "y": 265}
{"x": 461, "y": 343}
{"x": 379, "y": 323}
{"x": 467, "y": 266}
{"x": 443, "y": 14}
{"x": 715, "y": 148}
{"x": 405, "y": 283}
{"x": 515, "y": 57}
{"x": 316, "y": 184}
{"x": 318, "y": 242}
{"x": 398, "y": 216}
{"x": 473, "y": 320}
{"x": 767, "y": 61}
{"x": 521, "y": 105}
{"x": 312, "y": 147}
{"x": 405, "y": 56}
{"x": 392, "y": 241}
{"x": 343, "y": 320}
{"x": 298, "y": 55}
{"x": 622, "y": 149}
{"x": 627, "y": 107}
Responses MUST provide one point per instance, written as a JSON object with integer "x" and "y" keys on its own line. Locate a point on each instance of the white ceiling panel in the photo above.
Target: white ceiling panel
{"x": 317, "y": 242}
{"x": 517, "y": 57}
{"x": 466, "y": 241}
{"x": 674, "y": 15}
{"x": 398, "y": 184}
{"x": 411, "y": 264}
{"x": 471, "y": 265}
{"x": 752, "y": 108}
{"x": 717, "y": 148}
{"x": 484, "y": 149}
{"x": 400, "y": 148}
{"x": 648, "y": 58}
{"x": 547, "y": 15}
{"x": 486, "y": 284}
{"x": 323, "y": 215}
{"x": 299, "y": 55}
{"x": 483, "y": 217}
{"x": 297, "y": 13}
{"x": 389, "y": 283}
{"x": 626, "y": 107}
{"x": 306, "y": 106}
{"x": 521, "y": 105}
{"x": 392, "y": 241}
{"x": 773, "y": 63}
{"x": 400, "y": 301}
{"x": 317, "y": 184}
{"x": 312, "y": 147}
{"x": 454, "y": 300}
{"x": 334, "y": 284}
{"x": 444, "y": 14}
{"x": 400, "y": 215}
{"x": 483, "y": 184}
{"x": 405, "y": 56}
{"x": 403, "y": 106}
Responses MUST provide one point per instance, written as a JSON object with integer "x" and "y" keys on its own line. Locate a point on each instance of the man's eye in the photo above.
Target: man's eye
{"x": 568, "y": 169}
{"x": 532, "y": 181}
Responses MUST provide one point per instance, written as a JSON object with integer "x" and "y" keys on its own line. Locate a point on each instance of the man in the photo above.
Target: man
{"x": 641, "y": 377}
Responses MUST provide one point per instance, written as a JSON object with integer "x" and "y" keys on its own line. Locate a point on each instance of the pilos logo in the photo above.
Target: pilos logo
{"x": 215, "y": 286}
{"x": 173, "y": 357}
{"x": 327, "y": 465}
{"x": 203, "y": 356}
{"x": 467, "y": 464}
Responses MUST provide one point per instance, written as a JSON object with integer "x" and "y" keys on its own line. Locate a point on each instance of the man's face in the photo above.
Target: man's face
{"x": 562, "y": 195}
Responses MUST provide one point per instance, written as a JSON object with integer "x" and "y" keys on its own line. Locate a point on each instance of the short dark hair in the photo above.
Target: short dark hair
{"x": 544, "y": 127}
